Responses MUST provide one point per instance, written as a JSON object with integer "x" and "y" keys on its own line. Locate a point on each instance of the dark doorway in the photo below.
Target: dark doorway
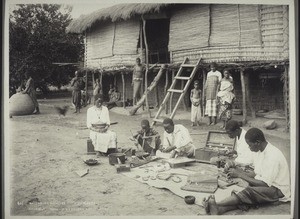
{"x": 157, "y": 32}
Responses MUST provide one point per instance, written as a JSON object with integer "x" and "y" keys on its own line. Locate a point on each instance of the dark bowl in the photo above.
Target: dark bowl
{"x": 91, "y": 162}
{"x": 189, "y": 199}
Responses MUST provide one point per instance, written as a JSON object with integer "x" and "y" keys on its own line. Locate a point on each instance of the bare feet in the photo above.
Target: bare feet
{"x": 193, "y": 124}
{"x": 212, "y": 205}
{"x": 205, "y": 204}
{"x": 199, "y": 124}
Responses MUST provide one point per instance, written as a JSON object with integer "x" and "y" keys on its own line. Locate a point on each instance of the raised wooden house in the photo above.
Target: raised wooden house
{"x": 251, "y": 40}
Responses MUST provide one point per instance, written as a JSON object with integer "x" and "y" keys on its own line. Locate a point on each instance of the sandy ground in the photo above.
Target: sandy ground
{"x": 45, "y": 151}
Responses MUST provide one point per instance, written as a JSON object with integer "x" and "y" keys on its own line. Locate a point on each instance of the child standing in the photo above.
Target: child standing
{"x": 196, "y": 95}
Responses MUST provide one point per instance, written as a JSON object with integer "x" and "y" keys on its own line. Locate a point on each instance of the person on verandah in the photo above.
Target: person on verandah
{"x": 98, "y": 122}
{"x": 269, "y": 183}
{"x": 148, "y": 138}
{"x": 196, "y": 95}
{"x": 225, "y": 98}
{"x": 137, "y": 79}
{"x": 211, "y": 88}
{"x": 177, "y": 140}
{"x": 77, "y": 84}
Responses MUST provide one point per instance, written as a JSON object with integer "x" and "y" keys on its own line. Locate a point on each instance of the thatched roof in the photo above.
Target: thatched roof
{"x": 113, "y": 13}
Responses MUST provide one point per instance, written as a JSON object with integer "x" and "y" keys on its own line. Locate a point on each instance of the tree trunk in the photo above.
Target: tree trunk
{"x": 150, "y": 88}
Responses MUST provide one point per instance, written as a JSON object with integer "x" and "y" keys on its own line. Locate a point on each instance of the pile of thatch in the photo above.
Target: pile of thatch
{"x": 113, "y": 13}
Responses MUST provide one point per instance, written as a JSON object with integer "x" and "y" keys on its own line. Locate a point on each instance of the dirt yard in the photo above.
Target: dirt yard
{"x": 46, "y": 150}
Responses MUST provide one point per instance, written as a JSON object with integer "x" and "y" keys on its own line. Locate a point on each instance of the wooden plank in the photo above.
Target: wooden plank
{"x": 248, "y": 96}
{"x": 165, "y": 90}
{"x": 182, "y": 78}
{"x": 176, "y": 91}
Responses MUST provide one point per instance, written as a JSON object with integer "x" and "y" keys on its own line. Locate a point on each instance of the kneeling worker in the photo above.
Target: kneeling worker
{"x": 177, "y": 140}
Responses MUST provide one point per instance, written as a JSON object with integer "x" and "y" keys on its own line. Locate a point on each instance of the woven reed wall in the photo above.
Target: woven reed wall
{"x": 99, "y": 41}
{"x": 224, "y": 25}
{"x": 189, "y": 27}
{"x": 126, "y": 37}
{"x": 272, "y": 25}
{"x": 249, "y": 25}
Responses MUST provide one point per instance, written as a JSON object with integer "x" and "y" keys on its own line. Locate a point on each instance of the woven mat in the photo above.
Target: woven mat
{"x": 147, "y": 174}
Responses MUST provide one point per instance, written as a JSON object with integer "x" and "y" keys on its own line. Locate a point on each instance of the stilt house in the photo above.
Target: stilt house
{"x": 251, "y": 40}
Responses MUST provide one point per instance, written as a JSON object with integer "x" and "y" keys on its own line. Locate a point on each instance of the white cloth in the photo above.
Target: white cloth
{"x": 244, "y": 154}
{"x": 196, "y": 111}
{"x": 101, "y": 141}
{"x": 180, "y": 137}
{"x": 225, "y": 92}
{"x": 215, "y": 73}
{"x": 271, "y": 167}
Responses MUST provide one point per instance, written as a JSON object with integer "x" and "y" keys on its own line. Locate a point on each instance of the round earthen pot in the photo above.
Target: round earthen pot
{"x": 20, "y": 104}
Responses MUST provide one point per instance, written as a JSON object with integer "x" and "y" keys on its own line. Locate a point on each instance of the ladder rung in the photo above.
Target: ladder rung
{"x": 158, "y": 120}
{"x": 175, "y": 91}
{"x": 188, "y": 65}
{"x": 182, "y": 78}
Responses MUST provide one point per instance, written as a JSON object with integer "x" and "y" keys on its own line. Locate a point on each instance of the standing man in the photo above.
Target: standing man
{"x": 137, "y": 79}
{"x": 213, "y": 80}
{"x": 269, "y": 183}
{"x": 177, "y": 140}
{"x": 30, "y": 90}
{"x": 76, "y": 83}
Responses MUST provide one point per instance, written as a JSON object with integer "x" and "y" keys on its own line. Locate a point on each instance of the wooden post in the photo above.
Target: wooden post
{"x": 165, "y": 90}
{"x": 93, "y": 78}
{"x": 101, "y": 78}
{"x": 156, "y": 97}
{"x": 248, "y": 96}
{"x": 86, "y": 87}
{"x": 203, "y": 91}
{"x": 286, "y": 97}
{"x": 183, "y": 100}
{"x": 147, "y": 65}
{"x": 123, "y": 89}
{"x": 171, "y": 97}
{"x": 242, "y": 73}
{"x": 115, "y": 80}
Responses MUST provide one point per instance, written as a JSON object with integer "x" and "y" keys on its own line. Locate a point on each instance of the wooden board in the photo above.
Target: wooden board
{"x": 179, "y": 161}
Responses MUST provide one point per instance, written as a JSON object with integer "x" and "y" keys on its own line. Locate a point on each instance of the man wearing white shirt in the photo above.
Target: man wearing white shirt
{"x": 98, "y": 122}
{"x": 244, "y": 154}
{"x": 177, "y": 140}
{"x": 269, "y": 183}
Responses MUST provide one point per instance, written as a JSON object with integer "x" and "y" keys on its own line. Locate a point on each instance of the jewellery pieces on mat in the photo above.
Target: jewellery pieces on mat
{"x": 145, "y": 178}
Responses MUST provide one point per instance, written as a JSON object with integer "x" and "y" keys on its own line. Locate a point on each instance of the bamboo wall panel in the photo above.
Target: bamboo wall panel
{"x": 224, "y": 25}
{"x": 99, "y": 41}
{"x": 189, "y": 27}
{"x": 229, "y": 54}
{"x": 116, "y": 60}
{"x": 250, "y": 32}
{"x": 126, "y": 37}
{"x": 272, "y": 25}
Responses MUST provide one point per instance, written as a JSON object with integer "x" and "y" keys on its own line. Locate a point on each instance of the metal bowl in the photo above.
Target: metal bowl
{"x": 91, "y": 162}
{"x": 189, "y": 199}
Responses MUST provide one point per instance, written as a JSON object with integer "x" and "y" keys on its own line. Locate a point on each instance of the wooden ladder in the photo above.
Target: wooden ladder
{"x": 188, "y": 79}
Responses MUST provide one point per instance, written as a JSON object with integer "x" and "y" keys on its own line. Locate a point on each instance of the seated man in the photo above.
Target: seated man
{"x": 269, "y": 183}
{"x": 242, "y": 153}
{"x": 177, "y": 140}
{"x": 98, "y": 122}
{"x": 148, "y": 138}
{"x": 114, "y": 96}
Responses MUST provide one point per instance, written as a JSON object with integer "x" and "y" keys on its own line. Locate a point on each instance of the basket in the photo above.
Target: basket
{"x": 119, "y": 104}
{"x": 237, "y": 111}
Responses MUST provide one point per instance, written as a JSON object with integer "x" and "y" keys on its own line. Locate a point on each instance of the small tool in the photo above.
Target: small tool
{"x": 122, "y": 167}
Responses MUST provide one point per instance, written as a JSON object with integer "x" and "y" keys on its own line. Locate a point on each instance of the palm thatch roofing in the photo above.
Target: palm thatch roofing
{"x": 113, "y": 13}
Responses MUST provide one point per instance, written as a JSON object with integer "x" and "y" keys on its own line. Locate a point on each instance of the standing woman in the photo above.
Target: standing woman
{"x": 30, "y": 90}
{"x": 76, "y": 83}
{"x": 137, "y": 79}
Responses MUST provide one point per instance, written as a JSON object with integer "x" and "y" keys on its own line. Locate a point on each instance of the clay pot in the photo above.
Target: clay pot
{"x": 20, "y": 104}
